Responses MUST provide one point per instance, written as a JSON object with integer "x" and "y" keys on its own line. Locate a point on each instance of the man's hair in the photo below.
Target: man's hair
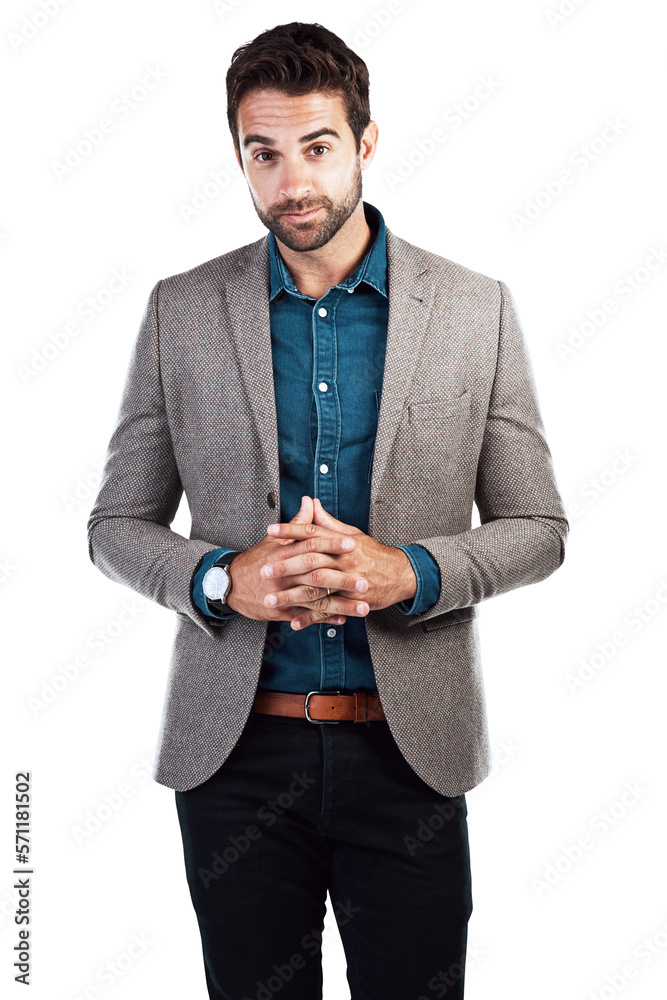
{"x": 298, "y": 59}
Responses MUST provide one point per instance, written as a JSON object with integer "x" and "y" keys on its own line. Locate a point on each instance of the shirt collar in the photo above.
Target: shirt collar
{"x": 372, "y": 270}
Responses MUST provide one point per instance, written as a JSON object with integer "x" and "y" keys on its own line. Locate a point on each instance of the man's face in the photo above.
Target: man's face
{"x": 299, "y": 158}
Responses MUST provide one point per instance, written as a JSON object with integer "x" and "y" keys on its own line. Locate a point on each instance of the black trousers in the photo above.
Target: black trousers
{"x": 298, "y": 809}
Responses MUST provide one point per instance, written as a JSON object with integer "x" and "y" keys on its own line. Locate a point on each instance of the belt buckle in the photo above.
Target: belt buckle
{"x": 320, "y": 722}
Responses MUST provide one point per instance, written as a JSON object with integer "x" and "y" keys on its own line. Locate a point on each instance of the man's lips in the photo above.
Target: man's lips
{"x": 300, "y": 216}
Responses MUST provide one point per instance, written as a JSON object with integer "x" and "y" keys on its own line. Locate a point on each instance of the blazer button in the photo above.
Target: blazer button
{"x": 271, "y": 499}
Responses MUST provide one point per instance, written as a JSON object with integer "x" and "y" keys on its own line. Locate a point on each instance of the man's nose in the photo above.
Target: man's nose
{"x": 295, "y": 184}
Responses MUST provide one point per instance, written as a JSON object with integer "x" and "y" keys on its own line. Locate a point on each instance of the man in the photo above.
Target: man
{"x": 332, "y": 400}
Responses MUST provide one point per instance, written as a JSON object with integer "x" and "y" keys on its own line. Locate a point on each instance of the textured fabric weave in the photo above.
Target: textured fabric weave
{"x": 325, "y": 443}
{"x": 459, "y": 424}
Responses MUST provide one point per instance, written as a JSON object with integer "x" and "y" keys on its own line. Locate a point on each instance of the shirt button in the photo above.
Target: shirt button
{"x": 350, "y": 290}
{"x": 321, "y": 311}
{"x": 331, "y": 632}
{"x": 323, "y": 387}
{"x": 324, "y": 468}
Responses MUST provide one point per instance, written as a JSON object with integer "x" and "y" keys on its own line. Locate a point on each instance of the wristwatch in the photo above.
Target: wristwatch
{"x": 217, "y": 581}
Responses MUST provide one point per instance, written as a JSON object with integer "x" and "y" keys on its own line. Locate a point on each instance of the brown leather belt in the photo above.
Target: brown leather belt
{"x": 321, "y": 706}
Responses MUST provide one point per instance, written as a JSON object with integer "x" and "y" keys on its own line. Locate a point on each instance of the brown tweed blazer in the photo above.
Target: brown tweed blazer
{"x": 459, "y": 423}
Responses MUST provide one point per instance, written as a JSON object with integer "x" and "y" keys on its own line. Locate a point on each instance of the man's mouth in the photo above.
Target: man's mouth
{"x": 300, "y": 216}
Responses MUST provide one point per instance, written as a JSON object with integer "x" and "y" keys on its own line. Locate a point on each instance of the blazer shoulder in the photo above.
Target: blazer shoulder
{"x": 445, "y": 272}
{"x": 218, "y": 270}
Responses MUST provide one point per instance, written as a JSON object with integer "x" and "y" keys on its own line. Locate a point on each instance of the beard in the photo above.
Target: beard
{"x": 311, "y": 234}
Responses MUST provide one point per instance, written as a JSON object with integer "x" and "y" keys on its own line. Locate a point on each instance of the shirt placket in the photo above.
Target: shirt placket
{"x": 327, "y": 450}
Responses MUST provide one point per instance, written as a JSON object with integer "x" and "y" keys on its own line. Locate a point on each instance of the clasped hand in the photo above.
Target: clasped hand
{"x": 362, "y": 573}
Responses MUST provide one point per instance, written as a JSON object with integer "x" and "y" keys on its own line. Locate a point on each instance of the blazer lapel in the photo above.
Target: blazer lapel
{"x": 410, "y": 302}
{"x": 247, "y": 295}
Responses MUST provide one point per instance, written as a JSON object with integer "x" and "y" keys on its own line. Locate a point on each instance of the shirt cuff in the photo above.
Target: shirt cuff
{"x": 198, "y": 596}
{"x": 427, "y": 572}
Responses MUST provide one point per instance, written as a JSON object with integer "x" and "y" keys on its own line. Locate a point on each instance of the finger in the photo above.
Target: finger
{"x": 305, "y": 590}
{"x": 330, "y": 542}
{"x": 307, "y": 560}
{"x": 287, "y": 614}
{"x": 316, "y": 600}
{"x": 332, "y": 620}
{"x": 295, "y": 529}
{"x": 327, "y": 520}
{"x": 358, "y": 609}
{"x": 304, "y": 515}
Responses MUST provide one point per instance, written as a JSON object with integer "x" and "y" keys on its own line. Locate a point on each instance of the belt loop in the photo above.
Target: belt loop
{"x": 360, "y": 696}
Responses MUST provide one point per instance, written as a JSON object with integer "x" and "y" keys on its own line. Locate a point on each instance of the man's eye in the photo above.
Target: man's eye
{"x": 263, "y": 153}
{"x": 325, "y": 148}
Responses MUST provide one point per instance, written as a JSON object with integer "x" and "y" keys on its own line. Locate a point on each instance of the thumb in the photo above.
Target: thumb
{"x": 327, "y": 520}
{"x": 304, "y": 515}
{"x": 305, "y": 512}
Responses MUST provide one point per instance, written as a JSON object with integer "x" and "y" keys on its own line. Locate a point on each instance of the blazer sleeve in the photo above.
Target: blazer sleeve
{"x": 129, "y": 538}
{"x": 523, "y": 529}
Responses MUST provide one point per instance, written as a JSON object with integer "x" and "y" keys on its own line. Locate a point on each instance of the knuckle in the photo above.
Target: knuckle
{"x": 312, "y": 593}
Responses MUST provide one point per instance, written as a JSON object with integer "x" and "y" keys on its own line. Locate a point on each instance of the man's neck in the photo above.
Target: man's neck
{"x": 314, "y": 272}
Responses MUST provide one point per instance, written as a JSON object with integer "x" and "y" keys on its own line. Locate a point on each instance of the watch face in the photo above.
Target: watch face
{"x": 215, "y": 583}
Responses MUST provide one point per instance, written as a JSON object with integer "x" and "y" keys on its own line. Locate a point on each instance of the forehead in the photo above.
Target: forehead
{"x": 273, "y": 110}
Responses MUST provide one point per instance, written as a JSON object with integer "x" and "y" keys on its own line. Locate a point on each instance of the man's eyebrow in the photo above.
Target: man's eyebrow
{"x": 266, "y": 141}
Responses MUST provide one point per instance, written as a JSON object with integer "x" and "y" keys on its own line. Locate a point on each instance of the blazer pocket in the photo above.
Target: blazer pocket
{"x": 429, "y": 444}
{"x": 436, "y": 410}
{"x": 455, "y": 617}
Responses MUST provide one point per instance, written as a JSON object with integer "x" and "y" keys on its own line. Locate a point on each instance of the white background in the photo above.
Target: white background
{"x": 543, "y": 925}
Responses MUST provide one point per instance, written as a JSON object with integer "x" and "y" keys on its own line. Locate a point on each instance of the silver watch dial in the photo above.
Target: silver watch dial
{"x": 215, "y": 583}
